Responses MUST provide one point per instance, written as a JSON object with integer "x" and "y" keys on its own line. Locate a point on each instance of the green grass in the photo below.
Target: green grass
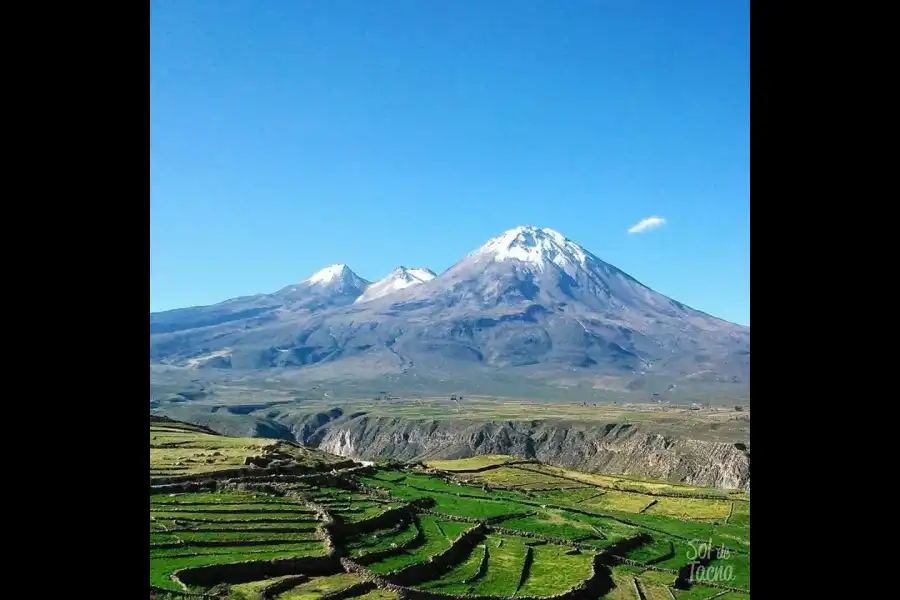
{"x": 457, "y": 579}
{"x": 216, "y": 498}
{"x": 208, "y": 526}
{"x": 740, "y": 517}
{"x": 280, "y": 527}
{"x": 510, "y": 476}
{"x": 201, "y": 517}
{"x": 177, "y": 449}
{"x": 733, "y": 571}
{"x": 697, "y": 592}
{"x": 553, "y": 571}
{"x": 448, "y": 502}
{"x": 302, "y": 548}
{"x": 551, "y": 523}
{"x": 694, "y": 509}
{"x": 435, "y": 542}
{"x": 506, "y": 558}
{"x": 571, "y": 497}
{"x": 475, "y": 462}
{"x": 624, "y": 588}
{"x": 205, "y": 536}
{"x": 162, "y": 567}
{"x": 378, "y": 594}
{"x": 298, "y": 527}
{"x": 388, "y": 475}
{"x": 368, "y": 512}
{"x": 316, "y": 587}
{"x": 655, "y": 584}
{"x": 381, "y": 540}
{"x": 251, "y": 590}
{"x": 730, "y": 536}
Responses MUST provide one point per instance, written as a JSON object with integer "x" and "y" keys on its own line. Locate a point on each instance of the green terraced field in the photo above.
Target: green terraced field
{"x": 461, "y": 578}
{"x": 438, "y": 535}
{"x": 541, "y": 529}
{"x": 476, "y": 462}
{"x": 382, "y": 539}
{"x": 316, "y": 587}
{"x": 555, "y": 570}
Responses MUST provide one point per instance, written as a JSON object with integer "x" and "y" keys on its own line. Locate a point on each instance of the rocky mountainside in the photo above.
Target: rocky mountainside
{"x": 529, "y": 300}
{"x": 612, "y": 448}
{"x": 637, "y": 449}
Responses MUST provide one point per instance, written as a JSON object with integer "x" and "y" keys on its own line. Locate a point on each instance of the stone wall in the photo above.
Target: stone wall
{"x": 597, "y": 585}
{"x": 526, "y": 567}
{"x": 273, "y": 589}
{"x": 157, "y": 591}
{"x": 385, "y": 519}
{"x": 357, "y": 589}
{"x": 182, "y": 488}
{"x": 438, "y": 563}
{"x": 254, "y": 570}
{"x": 485, "y": 468}
{"x": 252, "y": 472}
{"x": 378, "y": 555}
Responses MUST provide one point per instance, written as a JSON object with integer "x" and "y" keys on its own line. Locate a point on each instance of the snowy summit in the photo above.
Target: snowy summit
{"x": 329, "y": 274}
{"x": 335, "y": 280}
{"x": 533, "y": 246}
{"x": 400, "y": 278}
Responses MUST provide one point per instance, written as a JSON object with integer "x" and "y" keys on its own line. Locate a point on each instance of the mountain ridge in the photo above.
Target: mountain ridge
{"x": 529, "y": 297}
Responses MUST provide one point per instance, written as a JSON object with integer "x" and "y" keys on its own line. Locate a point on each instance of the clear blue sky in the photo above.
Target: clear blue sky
{"x": 288, "y": 135}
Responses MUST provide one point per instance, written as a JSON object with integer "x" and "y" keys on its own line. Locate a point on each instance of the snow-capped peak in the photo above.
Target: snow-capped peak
{"x": 400, "y": 278}
{"x": 328, "y": 274}
{"x": 422, "y": 275}
{"x": 333, "y": 274}
{"x": 533, "y": 245}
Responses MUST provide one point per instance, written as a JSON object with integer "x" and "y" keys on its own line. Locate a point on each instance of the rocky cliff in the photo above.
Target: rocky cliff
{"x": 710, "y": 454}
{"x": 612, "y": 448}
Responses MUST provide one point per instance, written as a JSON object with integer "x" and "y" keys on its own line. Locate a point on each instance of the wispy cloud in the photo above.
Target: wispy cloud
{"x": 647, "y": 224}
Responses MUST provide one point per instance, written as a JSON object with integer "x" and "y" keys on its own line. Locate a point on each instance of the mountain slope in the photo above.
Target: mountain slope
{"x": 399, "y": 279}
{"x": 529, "y": 299}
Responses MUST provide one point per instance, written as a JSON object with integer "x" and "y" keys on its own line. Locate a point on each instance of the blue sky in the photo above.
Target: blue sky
{"x": 289, "y": 135}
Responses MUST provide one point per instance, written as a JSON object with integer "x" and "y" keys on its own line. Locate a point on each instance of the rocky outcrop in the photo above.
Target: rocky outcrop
{"x": 593, "y": 448}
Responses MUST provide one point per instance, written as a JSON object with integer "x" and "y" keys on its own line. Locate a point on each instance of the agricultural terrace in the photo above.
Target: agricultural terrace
{"x": 178, "y": 449}
{"x": 489, "y": 527}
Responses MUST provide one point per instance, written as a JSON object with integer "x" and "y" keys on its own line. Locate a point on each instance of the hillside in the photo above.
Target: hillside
{"x": 529, "y": 303}
{"x": 708, "y": 447}
{"x": 490, "y": 527}
{"x": 180, "y": 451}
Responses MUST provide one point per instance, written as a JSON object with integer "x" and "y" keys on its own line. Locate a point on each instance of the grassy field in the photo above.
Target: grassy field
{"x": 183, "y": 449}
{"x": 718, "y": 423}
{"x": 438, "y": 536}
{"x": 476, "y": 462}
{"x": 544, "y": 526}
{"x": 555, "y": 569}
{"x": 316, "y": 587}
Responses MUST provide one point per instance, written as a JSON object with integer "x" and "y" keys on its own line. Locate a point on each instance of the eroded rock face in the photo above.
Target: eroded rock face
{"x": 612, "y": 448}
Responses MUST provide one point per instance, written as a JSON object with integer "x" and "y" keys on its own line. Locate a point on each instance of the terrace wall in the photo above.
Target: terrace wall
{"x": 242, "y": 572}
{"x": 485, "y": 468}
{"x": 255, "y": 472}
{"x": 385, "y": 519}
{"x": 157, "y": 591}
{"x": 357, "y": 589}
{"x": 379, "y": 555}
{"x": 597, "y": 584}
{"x": 436, "y": 565}
{"x": 273, "y": 589}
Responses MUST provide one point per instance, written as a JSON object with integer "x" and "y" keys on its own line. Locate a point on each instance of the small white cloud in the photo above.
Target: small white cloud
{"x": 647, "y": 224}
